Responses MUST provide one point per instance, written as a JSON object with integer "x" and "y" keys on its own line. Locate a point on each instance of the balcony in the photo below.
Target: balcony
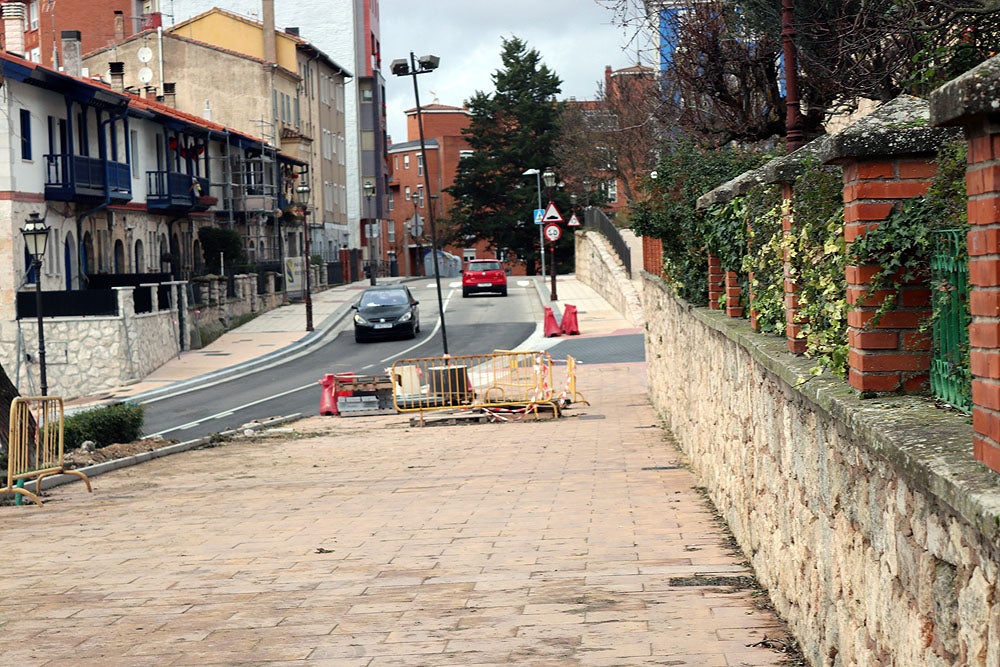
{"x": 78, "y": 178}
{"x": 171, "y": 191}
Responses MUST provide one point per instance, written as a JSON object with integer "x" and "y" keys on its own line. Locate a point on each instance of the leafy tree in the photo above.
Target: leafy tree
{"x": 513, "y": 129}
{"x": 218, "y": 243}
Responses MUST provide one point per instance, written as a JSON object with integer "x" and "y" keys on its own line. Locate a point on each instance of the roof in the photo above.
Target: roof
{"x": 438, "y": 108}
{"x": 412, "y": 145}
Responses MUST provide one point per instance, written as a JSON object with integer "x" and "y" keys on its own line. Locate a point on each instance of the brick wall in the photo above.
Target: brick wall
{"x": 652, "y": 255}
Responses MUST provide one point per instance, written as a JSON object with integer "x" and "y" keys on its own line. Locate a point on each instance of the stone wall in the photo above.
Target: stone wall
{"x": 598, "y": 267}
{"x": 870, "y": 523}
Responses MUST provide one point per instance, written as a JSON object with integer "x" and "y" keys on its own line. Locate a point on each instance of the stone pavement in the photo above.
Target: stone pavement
{"x": 367, "y": 542}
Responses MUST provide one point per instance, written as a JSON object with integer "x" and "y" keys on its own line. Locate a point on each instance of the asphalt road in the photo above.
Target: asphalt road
{"x": 474, "y": 326}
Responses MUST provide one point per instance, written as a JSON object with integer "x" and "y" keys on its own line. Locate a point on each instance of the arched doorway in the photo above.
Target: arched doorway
{"x": 140, "y": 257}
{"x": 88, "y": 253}
{"x": 69, "y": 259}
{"x": 164, "y": 254}
{"x": 119, "y": 257}
{"x": 199, "y": 260}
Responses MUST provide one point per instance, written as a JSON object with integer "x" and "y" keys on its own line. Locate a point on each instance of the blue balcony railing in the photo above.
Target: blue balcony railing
{"x": 169, "y": 190}
{"x": 82, "y": 178}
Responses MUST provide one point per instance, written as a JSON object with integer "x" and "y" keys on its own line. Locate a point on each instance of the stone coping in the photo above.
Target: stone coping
{"x": 898, "y": 127}
{"x": 735, "y": 187}
{"x": 975, "y": 93}
{"x": 931, "y": 448}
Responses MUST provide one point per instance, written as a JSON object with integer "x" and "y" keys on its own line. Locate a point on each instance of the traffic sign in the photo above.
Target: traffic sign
{"x": 552, "y": 214}
{"x": 416, "y": 226}
{"x": 553, "y": 232}
{"x": 573, "y": 221}
{"x": 539, "y": 214}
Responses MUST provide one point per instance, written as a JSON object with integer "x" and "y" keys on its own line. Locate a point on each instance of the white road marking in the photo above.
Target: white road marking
{"x": 220, "y": 415}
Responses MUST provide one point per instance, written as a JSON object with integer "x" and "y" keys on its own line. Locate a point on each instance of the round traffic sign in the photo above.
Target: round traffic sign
{"x": 553, "y": 232}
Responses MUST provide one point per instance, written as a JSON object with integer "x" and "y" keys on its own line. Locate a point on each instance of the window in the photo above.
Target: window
{"x": 406, "y": 194}
{"x": 395, "y": 163}
{"x": 391, "y": 238}
{"x": 392, "y": 201}
{"x": 406, "y": 162}
{"x": 25, "y": 134}
{"x": 420, "y": 196}
{"x": 134, "y": 145}
{"x": 420, "y": 164}
{"x": 464, "y": 154}
{"x": 33, "y": 15}
{"x": 610, "y": 189}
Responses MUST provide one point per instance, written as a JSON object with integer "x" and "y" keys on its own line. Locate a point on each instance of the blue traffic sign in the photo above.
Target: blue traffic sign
{"x": 539, "y": 214}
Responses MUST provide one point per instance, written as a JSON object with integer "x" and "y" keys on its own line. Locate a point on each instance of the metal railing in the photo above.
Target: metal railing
{"x": 594, "y": 218}
{"x": 950, "y": 378}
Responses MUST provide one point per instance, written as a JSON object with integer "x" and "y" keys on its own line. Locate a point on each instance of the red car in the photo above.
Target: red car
{"x": 484, "y": 275}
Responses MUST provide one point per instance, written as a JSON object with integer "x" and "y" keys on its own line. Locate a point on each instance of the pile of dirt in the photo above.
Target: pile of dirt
{"x": 80, "y": 458}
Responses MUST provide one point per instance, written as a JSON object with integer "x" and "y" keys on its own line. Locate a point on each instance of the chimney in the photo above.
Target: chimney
{"x": 170, "y": 93}
{"x": 149, "y": 92}
{"x": 270, "y": 37}
{"x": 13, "y": 26}
{"x": 119, "y": 26}
{"x": 292, "y": 31}
{"x": 71, "y": 52}
{"x": 206, "y": 113}
{"x": 117, "y": 76}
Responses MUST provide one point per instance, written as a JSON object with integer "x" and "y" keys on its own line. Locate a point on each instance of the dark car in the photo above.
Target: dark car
{"x": 484, "y": 275}
{"x": 386, "y": 312}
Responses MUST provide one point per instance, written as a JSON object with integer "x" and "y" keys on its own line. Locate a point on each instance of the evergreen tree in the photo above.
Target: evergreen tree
{"x": 513, "y": 129}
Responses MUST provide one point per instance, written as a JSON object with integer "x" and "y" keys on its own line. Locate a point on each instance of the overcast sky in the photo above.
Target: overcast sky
{"x": 576, "y": 39}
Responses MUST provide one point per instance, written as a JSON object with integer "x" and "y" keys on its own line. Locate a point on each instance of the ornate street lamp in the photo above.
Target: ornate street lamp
{"x": 302, "y": 193}
{"x": 36, "y": 237}
{"x": 413, "y": 67}
{"x": 550, "y": 180}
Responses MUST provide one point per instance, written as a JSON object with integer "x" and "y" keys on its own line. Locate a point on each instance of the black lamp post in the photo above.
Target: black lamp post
{"x": 413, "y": 67}
{"x": 302, "y": 193}
{"x": 369, "y": 189}
{"x": 550, "y": 180}
{"x": 36, "y": 237}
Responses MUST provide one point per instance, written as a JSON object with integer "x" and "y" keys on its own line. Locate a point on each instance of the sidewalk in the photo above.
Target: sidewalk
{"x": 364, "y": 542}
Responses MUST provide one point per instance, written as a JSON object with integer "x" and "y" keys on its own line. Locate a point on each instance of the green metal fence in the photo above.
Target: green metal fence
{"x": 950, "y": 379}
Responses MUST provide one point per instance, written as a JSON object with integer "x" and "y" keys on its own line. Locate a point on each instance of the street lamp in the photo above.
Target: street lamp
{"x": 413, "y": 67}
{"x": 541, "y": 238}
{"x": 302, "y": 193}
{"x": 36, "y": 236}
{"x": 369, "y": 188}
{"x": 550, "y": 180}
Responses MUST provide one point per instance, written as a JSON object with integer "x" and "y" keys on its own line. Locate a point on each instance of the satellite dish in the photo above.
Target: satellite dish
{"x": 144, "y": 54}
{"x": 145, "y": 75}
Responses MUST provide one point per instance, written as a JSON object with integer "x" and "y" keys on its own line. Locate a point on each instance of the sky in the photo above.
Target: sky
{"x": 576, "y": 40}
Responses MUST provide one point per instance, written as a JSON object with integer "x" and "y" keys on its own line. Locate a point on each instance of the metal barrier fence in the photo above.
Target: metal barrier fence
{"x": 35, "y": 447}
{"x": 501, "y": 382}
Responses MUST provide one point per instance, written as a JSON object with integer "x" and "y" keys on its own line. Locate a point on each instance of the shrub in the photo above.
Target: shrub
{"x": 120, "y": 422}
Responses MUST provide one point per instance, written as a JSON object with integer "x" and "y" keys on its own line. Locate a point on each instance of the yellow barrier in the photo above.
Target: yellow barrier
{"x": 569, "y": 393}
{"x": 35, "y": 447}
{"x": 515, "y": 382}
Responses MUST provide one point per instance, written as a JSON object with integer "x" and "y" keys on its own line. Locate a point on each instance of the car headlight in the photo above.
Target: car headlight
{"x": 406, "y": 317}
{"x": 360, "y": 320}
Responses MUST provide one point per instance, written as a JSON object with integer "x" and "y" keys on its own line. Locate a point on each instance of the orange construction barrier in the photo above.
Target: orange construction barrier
{"x": 569, "y": 325}
{"x": 551, "y": 326}
{"x": 327, "y": 402}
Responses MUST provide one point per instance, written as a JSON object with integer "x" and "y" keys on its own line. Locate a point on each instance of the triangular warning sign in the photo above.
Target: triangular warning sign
{"x": 552, "y": 214}
{"x": 573, "y": 221}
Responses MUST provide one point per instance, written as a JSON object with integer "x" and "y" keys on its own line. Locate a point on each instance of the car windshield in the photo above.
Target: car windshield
{"x": 485, "y": 266}
{"x": 384, "y": 298}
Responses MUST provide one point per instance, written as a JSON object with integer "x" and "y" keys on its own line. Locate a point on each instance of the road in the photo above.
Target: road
{"x": 475, "y": 325}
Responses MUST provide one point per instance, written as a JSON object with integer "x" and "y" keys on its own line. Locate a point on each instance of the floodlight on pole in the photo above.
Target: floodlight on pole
{"x": 541, "y": 238}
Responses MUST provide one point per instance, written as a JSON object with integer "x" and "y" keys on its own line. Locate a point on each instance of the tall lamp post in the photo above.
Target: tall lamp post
{"x": 541, "y": 239}
{"x": 413, "y": 67}
{"x": 369, "y": 188}
{"x": 550, "y": 180}
{"x": 302, "y": 193}
{"x": 36, "y": 236}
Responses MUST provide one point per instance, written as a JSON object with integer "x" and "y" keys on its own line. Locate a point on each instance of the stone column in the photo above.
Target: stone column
{"x": 887, "y": 158}
{"x": 652, "y": 255}
{"x": 969, "y": 102}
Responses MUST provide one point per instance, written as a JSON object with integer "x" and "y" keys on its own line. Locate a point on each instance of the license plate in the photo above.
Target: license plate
{"x": 383, "y": 325}
{"x": 485, "y": 284}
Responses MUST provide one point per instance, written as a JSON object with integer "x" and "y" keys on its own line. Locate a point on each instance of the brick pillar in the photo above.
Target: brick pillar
{"x": 715, "y": 281}
{"x": 892, "y": 355}
{"x": 793, "y": 321}
{"x": 983, "y": 186}
{"x": 733, "y": 307}
{"x": 652, "y": 255}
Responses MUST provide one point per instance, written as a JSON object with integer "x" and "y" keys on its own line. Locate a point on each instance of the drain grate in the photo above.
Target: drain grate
{"x": 662, "y": 468}
{"x": 712, "y": 580}
{"x": 590, "y": 416}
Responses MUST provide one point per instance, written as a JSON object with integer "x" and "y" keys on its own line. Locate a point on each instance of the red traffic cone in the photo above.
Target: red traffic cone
{"x": 551, "y": 326}
{"x": 569, "y": 325}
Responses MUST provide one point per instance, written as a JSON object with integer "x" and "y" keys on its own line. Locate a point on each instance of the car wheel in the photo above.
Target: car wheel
{"x": 503, "y": 291}
{"x": 358, "y": 338}
{"x": 465, "y": 292}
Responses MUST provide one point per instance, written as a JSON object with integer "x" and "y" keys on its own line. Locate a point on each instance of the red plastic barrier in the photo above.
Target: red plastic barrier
{"x": 327, "y": 402}
{"x": 551, "y": 326}
{"x": 569, "y": 325}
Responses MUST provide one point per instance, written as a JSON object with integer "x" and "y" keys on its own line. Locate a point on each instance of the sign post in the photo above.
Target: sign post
{"x": 553, "y": 232}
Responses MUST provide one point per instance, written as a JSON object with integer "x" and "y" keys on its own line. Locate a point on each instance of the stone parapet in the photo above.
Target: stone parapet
{"x": 869, "y": 521}
{"x": 598, "y": 267}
